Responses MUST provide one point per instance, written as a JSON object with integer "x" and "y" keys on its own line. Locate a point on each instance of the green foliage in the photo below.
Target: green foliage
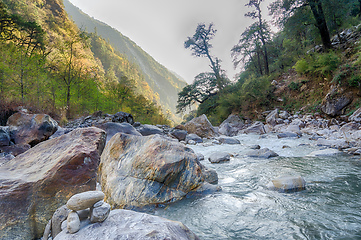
{"x": 355, "y": 81}
{"x": 326, "y": 63}
{"x": 302, "y": 66}
{"x": 295, "y": 86}
{"x": 67, "y": 78}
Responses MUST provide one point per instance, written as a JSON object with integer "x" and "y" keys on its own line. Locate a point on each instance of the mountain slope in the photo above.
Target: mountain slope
{"x": 160, "y": 79}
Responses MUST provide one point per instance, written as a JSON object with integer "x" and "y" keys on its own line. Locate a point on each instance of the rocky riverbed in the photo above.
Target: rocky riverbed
{"x": 154, "y": 168}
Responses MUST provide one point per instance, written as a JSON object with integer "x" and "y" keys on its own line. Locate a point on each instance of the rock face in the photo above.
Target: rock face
{"x": 141, "y": 171}
{"x": 31, "y": 128}
{"x": 202, "y": 127}
{"x": 143, "y": 226}
{"x": 33, "y": 185}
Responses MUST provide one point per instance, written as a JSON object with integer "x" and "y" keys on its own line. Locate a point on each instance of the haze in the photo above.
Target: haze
{"x": 160, "y": 27}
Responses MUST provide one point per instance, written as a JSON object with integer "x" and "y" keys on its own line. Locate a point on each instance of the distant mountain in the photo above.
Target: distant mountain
{"x": 163, "y": 82}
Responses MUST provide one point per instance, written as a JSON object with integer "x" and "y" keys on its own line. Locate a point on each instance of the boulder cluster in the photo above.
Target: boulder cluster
{"x": 137, "y": 167}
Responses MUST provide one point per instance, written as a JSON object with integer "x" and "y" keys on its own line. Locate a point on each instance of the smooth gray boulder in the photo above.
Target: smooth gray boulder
{"x": 325, "y": 152}
{"x": 228, "y": 140}
{"x": 218, "y": 157}
{"x": 231, "y": 126}
{"x": 193, "y": 137}
{"x": 256, "y": 128}
{"x": 112, "y": 128}
{"x": 179, "y": 134}
{"x": 125, "y": 224}
{"x": 337, "y": 143}
{"x": 262, "y": 153}
{"x": 288, "y": 184}
{"x": 288, "y": 135}
{"x": 147, "y": 130}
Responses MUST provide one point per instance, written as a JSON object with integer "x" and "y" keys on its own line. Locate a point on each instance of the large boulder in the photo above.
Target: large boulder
{"x": 262, "y": 153}
{"x": 356, "y": 116}
{"x": 147, "y": 130}
{"x": 256, "y": 128}
{"x": 271, "y": 118}
{"x": 179, "y": 134}
{"x": 143, "y": 171}
{"x": 112, "y": 128}
{"x": 4, "y": 136}
{"x": 202, "y": 127}
{"x": 31, "y": 128}
{"x": 288, "y": 184}
{"x": 125, "y": 224}
{"x": 231, "y": 126}
{"x": 34, "y": 184}
{"x": 335, "y": 102}
{"x": 120, "y": 117}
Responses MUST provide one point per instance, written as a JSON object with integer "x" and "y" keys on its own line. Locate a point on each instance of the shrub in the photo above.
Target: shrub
{"x": 295, "y": 86}
{"x": 302, "y": 66}
{"x": 355, "y": 81}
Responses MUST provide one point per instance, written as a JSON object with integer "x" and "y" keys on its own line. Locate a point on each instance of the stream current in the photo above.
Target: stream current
{"x": 329, "y": 208}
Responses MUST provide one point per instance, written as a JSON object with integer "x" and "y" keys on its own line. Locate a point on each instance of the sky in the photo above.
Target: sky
{"x": 160, "y": 28}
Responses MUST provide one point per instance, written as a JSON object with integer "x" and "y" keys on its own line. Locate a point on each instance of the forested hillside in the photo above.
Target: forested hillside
{"x": 48, "y": 64}
{"x": 162, "y": 82}
{"x": 311, "y": 63}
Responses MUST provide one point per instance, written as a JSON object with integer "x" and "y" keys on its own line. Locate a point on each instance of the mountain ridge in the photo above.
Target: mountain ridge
{"x": 162, "y": 81}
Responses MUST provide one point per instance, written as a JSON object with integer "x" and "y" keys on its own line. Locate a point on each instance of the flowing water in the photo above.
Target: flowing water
{"x": 329, "y": 208}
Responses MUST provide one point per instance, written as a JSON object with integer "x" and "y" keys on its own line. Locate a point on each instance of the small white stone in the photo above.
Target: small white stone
{"x": 73, "y": 222}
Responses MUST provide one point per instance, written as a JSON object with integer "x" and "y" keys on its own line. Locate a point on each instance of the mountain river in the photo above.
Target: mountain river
{"x": 329, "y": 208}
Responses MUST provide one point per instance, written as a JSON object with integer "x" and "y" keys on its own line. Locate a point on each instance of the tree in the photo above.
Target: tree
{"x": 260, "y": 28}
{"x": 200, "y": 45}
{"x": 287, "y": 8}
{"x": 250, "y": 49}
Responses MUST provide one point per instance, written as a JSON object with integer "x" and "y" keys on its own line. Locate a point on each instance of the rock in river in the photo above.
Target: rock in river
{"x": 141, "y": 171}
{"x": 125, "y": 224}
{"x": 288, "y": 184}
{"x": 202, "y": 127}
{"x": 34, "y": 184}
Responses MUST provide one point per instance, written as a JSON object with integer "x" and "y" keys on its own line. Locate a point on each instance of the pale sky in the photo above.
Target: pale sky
{"x": 160, "y": 28}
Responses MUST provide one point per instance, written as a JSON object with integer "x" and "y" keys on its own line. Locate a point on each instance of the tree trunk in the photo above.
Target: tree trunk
{"x": 316, "y": 7}
{"x": 68, "y": 102}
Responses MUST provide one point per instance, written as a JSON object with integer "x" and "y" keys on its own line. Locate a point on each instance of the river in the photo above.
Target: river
{"x": 329, "y": 208}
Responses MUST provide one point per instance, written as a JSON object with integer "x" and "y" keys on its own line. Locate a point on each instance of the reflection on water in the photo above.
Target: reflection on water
{"x": 330, "y": 207}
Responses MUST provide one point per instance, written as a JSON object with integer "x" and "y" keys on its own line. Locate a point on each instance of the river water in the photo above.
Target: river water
{"x": 329, "y": 208}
